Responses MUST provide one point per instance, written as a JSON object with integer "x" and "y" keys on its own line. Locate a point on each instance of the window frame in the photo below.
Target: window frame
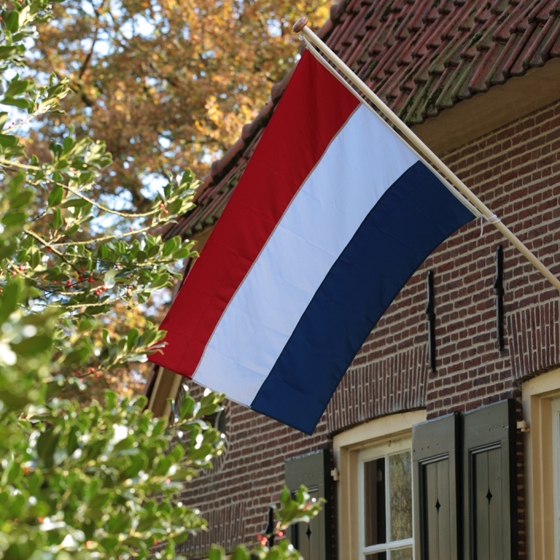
{"x": 538, "y": 395}
{"x": 382, "y": 450}
{"x": 346, "y": 448}
{"x": 555, "y": 417}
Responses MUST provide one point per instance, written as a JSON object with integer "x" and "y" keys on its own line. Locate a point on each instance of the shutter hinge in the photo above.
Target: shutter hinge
{"x": 335, "y": 474}
{"x": 523, "y": 426}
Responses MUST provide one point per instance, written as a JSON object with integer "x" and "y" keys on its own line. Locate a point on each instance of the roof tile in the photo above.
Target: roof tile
{"x": 420, "y": 56}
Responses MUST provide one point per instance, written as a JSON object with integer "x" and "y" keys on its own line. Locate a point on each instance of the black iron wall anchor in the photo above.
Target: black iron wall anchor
{"x": 431, "y": 315}
{"x": 269, "y": 531}
{"x": 499, "y": 293}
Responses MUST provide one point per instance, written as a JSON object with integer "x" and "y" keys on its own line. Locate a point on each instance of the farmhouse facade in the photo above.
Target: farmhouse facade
{"x": 443, "y": 439}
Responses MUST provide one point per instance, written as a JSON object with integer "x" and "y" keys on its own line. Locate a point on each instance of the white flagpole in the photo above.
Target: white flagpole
{"x": 301, "y": 27}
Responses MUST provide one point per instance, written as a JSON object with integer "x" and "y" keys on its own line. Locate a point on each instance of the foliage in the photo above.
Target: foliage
{"x": 98, "y": 481}
{"x": 167, "y": 83}
{"x": 90, "y": 479}
{"x": 54, "y": 225}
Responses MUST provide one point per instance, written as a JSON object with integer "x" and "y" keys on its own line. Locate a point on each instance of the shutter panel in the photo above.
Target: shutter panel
{"x": 490, "y": 505}
{"x": 435, "y": 486}
{"x": 313, "y": 540}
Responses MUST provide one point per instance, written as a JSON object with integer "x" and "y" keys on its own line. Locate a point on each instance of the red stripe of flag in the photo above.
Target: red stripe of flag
{"x": 292, "y": 144}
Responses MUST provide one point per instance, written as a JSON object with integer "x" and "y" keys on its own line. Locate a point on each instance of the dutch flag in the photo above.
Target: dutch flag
{"x": 330, "y": 219}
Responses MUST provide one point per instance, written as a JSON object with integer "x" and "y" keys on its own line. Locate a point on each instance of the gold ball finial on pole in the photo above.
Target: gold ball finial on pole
{"x": 299, "y": 25}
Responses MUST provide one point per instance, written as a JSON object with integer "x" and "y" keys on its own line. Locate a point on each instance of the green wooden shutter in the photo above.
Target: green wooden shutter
{"x": 435, "y": 482}
{"x": 313, "y": 540}
{"x": 490, "y": 506}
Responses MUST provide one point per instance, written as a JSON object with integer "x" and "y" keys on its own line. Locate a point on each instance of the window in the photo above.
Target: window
{"x": 374, "y": 488}
{"x": 555, "y": 407}
{"x": 385, "y": 501}
{"x": 541, "y": 409}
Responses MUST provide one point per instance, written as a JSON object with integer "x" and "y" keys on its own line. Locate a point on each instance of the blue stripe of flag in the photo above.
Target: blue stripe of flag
{"x": 411, "y": 219}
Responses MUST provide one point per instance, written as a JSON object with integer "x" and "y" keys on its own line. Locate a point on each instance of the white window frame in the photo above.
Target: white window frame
{"x": 379, "y": 451}
{"x": 346, "y": 448}
{"x": 555, "y": 409}
{"x": 542, "y": 458}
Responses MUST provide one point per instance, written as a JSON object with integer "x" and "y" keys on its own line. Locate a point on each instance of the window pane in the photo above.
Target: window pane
{"x": 377, "y": 556}
{"x": 400, "y": 470}
{"x": 374, "y": 499}
{"x": 402, "y": 554}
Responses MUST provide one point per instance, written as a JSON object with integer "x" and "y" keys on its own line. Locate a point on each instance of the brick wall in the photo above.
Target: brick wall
{"x": 516, "y": 171}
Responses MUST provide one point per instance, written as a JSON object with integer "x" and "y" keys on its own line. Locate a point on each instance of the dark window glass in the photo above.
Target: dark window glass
{"x": 375, "y": 518}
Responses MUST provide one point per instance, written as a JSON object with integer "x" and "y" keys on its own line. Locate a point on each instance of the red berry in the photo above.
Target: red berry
{"x": 21, "y": 268}
{"x": 1, "y": 291}
{"x": 131, "y": 228}
{"x": 91, "y": 369}
{"x": 161, "y": 205}
{"x": 168, "y": 481}
{"x": 83, "y": 269}
{"x": 96, "y": 375}
{"x": 166, "y": 211}
{"x": 280, "y": 533}
{"x": 80, "y": 278}
{"x": 14, "y": 272}
{"x": 264, "y": 540}
{"x": 49, "y": 249}
{"x": 81, "y": 378}
{"x": 89, "y": 543}
{"x": 128, "y": 277}
{"x": 118, "y": 266}
{"x": 54, "y": 281}
{"x": 69, "y": 283}
{"x": 40, "y": 519}
{"x": 90, "y": 280}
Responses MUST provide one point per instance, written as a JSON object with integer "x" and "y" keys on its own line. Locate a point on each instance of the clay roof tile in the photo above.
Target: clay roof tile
{"x": 421, "y": 56}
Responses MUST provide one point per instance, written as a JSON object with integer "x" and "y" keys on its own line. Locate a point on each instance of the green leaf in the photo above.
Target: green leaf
{"x": 55, "y": 196}
{"x": 240, "y": 553}
{"x": 9, "y": 300}
{"x": 216, "y": 553}
{"x": 132, "y": 338}
{"x": 12, "y": 22}
{"x": 32, "y": 345}
{"x": 17, "y": 180}
{"x": 160, "y": 282}
{"x": 17, "y": 87}
{"x": 171, "y": 246}
{"x": 24, "y": 16}
{"x": 72, "y": 229}
{"x": 57, "y": 218}
{"x": 8, "y": 141}
{"x": 22, "y": 199}
{"x": 8, "y": 52}
{"x": 14, "y": 218}
{"x": 119, "y": 523}
{"x": 74, "y": 203}
{"x": 46, "y": 445}
{"x": 19, "y": 102}
{"x": 187, "y": 408}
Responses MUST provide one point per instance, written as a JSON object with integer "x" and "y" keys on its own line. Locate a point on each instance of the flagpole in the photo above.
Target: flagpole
{"x": 301, "y": 27}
